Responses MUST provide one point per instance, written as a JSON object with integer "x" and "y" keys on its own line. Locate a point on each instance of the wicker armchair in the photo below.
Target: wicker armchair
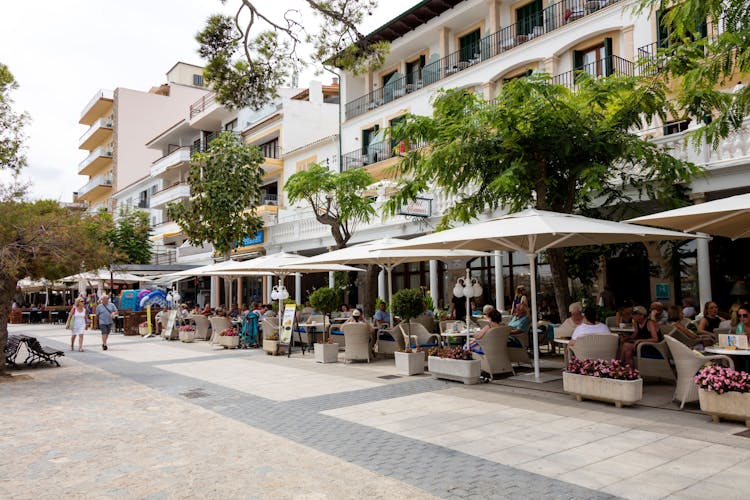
{"x": 687, "y": 363}
{"x": 201, "y": 326}
{"x": 388, "y": 346}
{"x": 427, "y": 321}
{"x": 653, "y": 361}
{"x": 417, "y": 331}
{"x": 357, "y": 338}
{"x": 494, "y": 344}
{"x": 520, "y": 355}
{"x": 597, "y": 346}
{"x": 269, "y": 327}
{"x": 218, "y": 323}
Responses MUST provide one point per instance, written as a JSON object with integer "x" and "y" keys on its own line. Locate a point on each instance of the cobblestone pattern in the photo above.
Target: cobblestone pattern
{"x": 438, "y": 470}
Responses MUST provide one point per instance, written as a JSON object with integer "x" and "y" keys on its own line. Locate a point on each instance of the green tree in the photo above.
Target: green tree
{"x": 129, "y": 238}
{"x": 542, "y": 145}
{"x": 12, "y": 155}
{"x": 408, "y": 303}
{"x": 326, "y": 300}
{"x": 225, "y": 183}
{"x": 249, "y": 56}
{"x": 703, "y": 61}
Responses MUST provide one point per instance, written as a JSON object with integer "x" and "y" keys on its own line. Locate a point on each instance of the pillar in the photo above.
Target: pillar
{"x": 382, "y": 293}
{"x": 239, "y": 292}
{"x": 494, "y": 19}
{"x": 703, "y": 261}
{"x": 628, "y": 45}
{"x": 331, "y": 280}
{"x": 214, "y": 291}
{"x": 444, "y": 41}
{"x": 434, "y": 283}
{"x": 499, "y": 283}
{"x": 298, "y": 288}
{"x": 268, "y": 286}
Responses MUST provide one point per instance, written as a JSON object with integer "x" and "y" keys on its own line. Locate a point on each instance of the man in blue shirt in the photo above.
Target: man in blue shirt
{"x": 105, "y": 311}
{"x": 382, "y": 317}
{"x": 519, "y": 325}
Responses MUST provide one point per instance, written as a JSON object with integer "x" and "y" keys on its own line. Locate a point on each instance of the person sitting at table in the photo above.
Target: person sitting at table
{"x": 344, "y": 311}
{"x": 519, "y": 325}
{"x": 157, "y": 321}
{"x": 644, "y": 330}
{"x": 568, "y": 326}
{"x": 710, "y": 320}
{"x": 486, "y": 310}
{"x": 743, "y": 324}
{"x": 495, "y": 319}
{"x": 234, "y": 312}
{"x": 382, "y": 317}
{"x": 207, "y": 310}
{"x": 658, "y": 314}
{"x": 196, "y": 310}
{"x": 676, "y": 321}
{"x": 184, "y": 313}
{"x": 268, "y": 311}
{"x": 518, "y": 298}
{"x": 624, "y": 315}
{"x": 589, "y": 326}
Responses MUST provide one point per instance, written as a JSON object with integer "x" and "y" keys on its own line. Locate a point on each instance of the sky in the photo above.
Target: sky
{"x": 62, "y": 52}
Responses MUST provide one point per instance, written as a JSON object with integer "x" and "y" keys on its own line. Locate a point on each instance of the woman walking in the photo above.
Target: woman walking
{"x": 79, "y": 323}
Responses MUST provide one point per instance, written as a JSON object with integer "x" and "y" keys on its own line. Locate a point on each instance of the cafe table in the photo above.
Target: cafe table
{"x": 743, "y": 356}
{"x": 461, "y": 333}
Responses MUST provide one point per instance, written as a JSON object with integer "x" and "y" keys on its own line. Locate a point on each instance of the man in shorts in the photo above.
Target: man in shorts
{"x": 105, "y": 311}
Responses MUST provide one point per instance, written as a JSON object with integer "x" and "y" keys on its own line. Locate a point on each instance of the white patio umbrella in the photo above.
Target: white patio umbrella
{"x": 281, "y": 265}
{"x": 533, "y": 231}
{"x": 378, "y": 252}
{"x": 728, "y": 217}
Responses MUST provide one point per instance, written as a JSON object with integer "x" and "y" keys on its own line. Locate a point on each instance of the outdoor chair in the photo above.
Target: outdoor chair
{"x": 598, "y": 346}
{"x": 688, "y": 341}
{"x": 218, "y": 324}
{"x": 611, "y": 322}
{"x": 653, "y": 361}
{"x": 12, "y": 346}
{"x": 416, "y": 335}
{"x": 687, "y": 363}
{"x": 201, "y": 325}
{"x": 390, "y": 341}
{"x": 357, "y": 338}
{"x": 39, "y": 353}
{"x": 174, "y": 334}
{"x": 446, "y": 326}
{"x": 494, "y": 344}
{"x": 520, "y": 355}
{"x": 427, "y": 321}
{"x": 269, "y": 326}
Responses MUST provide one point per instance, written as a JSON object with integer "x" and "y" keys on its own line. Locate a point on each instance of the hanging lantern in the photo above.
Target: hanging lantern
{"x": 275, "y": 293}
{"x": 458, "y": 290}
{"x": 468, "y": 291}
{"x": 284, "y": 293}
{"x": 477, "y": 288}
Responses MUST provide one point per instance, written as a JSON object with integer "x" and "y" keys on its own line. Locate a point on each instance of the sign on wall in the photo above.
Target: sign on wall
{"x": 420, "y": 207}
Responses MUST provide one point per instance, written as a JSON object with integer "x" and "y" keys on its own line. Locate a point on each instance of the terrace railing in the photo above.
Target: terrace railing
{"x": 202, "y": 104}
{"x": 605, "y": 66}
{"x": 376, "y": 152}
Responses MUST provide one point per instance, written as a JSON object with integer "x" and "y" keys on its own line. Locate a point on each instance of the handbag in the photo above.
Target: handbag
{"x": 69, "y": 323}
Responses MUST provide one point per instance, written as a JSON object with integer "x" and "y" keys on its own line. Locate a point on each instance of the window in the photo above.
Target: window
{"x": 198, "y": 80}
{"x": 469, "y": 45}
{"x": 596, "y": 61}
{"x": 270, "y": 149}
{"x": 387, "y": 77}
{"x": 154, "y": 189}
{"x": 143, "y": 199}
{"x": 397, "y": 149}
{"x": 367, "y": 137}
{"x": 414, "y": 70}
{"x": 229, "y": 126}
{"x": 664, "y": 31}
{"x": 529, "y": 16}
{"x": 675, "y": 127}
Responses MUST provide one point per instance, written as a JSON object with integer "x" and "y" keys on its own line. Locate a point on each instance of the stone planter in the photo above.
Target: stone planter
{"x": 143, "y": 330}
{"x": 326, "y": 353}
{"x": 409, "y": 363}
{"x": 466, "y": 371}
{"x": 619, "y": 392}
{"x": 730, "y": 405}
{"x": 187, "y": 336}
{"x": 229, "y": 342}
{"x": 271, "y": 346}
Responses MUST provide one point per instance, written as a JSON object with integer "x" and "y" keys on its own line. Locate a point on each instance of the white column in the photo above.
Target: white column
{"x": 331, "y": 280}
{"x": 381, "y": 285}
{"x": 703, "y": 260}
{"x": 499, "y": 288}
{"x": 214, "y": 291}
{"x": 298, "y": 288}
{"x": 434, "y": 282}
{"x": 269, "y": 287}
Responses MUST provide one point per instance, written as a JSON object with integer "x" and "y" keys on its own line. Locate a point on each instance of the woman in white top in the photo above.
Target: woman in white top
{"x": 589, "y": 326}
{"x": 80, "y": 320}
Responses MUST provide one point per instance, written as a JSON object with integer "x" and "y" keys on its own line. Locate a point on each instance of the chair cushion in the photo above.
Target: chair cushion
{"x": 649, "y": 352}
{"x": 386, "y": 336}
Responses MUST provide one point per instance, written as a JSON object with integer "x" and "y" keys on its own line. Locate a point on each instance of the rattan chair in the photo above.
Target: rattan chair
{"x": 388, "y": 346}
{"x": 218, "y": 323}
{"x": 416, "y": 335}
{"x": 201, "y": 326}
{"x": 269, "y": 326}
{"x": 653, "y": 361}
{"x": 494, "y": 344}
{"x": 357, "y": 338}
{"x": 596, "y": 346}
{"x": 687, "y": 364}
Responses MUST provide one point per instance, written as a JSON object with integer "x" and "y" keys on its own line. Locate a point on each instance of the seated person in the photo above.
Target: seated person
{"x": 658, "y": 314}
{"x": 710, "y": 320}
{"x": 486, "y": 310}
{"x": 570, "y": 324}
{"x": 207, "y": 311}
{"x": 268, "y": 311}
{"x": 382, "y": 317}
{"x": 344, "y": 312}
{"x": 743, "y": 323}
{"x": 688, "y": 308}
{"x": 675, "y": 320}
{"x": 589, "y": 326}
{"x": 495, "y": 319}
{"x": 624, "y": 315}
{"x": 644, "y": 330}
{"x": 357, "y": 317}
{"x": 184, "y": 313}
{"x": 519, "y": 325}
{"x": 234, "y": 312}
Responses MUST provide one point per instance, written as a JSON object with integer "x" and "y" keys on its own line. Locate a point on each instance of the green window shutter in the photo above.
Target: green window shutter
{"x": 608, "y": 66}
{"x": 469, "y": 45}
{"x": 577, "y": 63}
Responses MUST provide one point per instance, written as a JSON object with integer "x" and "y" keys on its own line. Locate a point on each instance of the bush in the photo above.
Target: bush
{"x": 602, "y": 368}
{"x": 408, "y": 303}
{"x": 451, "y": 353}
{"x": 325, "y": 300}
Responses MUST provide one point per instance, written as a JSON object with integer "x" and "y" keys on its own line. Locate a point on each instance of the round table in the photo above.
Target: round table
{"x": 460, "y": 333}
{"x": 742, "y": 353}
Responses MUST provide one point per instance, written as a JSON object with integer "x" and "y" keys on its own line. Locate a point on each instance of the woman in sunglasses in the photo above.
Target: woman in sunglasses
{"x": 743, "y": 323}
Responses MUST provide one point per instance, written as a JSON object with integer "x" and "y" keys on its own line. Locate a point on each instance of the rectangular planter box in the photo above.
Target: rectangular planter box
{"x": 271, "y": 346}
{"x": 409, "y": 363}
{"x": 187, "y": 336}
{"x": 619, "y": 392}
{"x": 228, "y": 342}
{"x": 730, "y": 405}
{"x": 454, "y": 369}
{"x": 326, "y": 353}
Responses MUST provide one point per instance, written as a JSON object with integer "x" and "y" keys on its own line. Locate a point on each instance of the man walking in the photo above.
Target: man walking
{"x": 105, "y": 311}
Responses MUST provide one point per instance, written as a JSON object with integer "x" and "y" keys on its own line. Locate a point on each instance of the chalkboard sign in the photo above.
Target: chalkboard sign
{"x": 287, "y": 324}
{"x": 171, "y": 319}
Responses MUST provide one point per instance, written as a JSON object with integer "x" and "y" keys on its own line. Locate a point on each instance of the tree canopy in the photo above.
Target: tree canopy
{"x": 225, "y": 182}
{"x": 129, "y": 237}
{"x": 12, "y": 155}
{"x": 542, "y": 145}
{"x": 249, "y": 56}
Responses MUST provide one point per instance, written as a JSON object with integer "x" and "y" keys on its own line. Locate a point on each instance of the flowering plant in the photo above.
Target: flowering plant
{"x": 721, "y": 380}
{"x": 187, "y": 328}
{"x": 143, "y": 325}
{"x": 602, "y": 368}
{"x": 450, "y": 353}
{"x": 228, "y": 332}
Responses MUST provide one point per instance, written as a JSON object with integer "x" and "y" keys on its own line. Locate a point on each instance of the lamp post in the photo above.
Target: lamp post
{"x": 467, "y": 287}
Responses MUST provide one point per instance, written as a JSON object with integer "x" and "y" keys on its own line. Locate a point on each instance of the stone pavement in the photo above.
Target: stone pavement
{"x": 156, "y": 419}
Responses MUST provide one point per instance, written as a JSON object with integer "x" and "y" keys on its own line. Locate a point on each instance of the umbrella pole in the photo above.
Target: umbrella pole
{"x": 467, "y": 283}
{"x": 388, "y": 269}
{"x": 534, "y": 322}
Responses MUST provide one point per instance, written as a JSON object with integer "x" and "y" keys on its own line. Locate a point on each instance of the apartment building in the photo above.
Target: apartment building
{"x": 479, "y": 44}
{"x": 120, "y": 122}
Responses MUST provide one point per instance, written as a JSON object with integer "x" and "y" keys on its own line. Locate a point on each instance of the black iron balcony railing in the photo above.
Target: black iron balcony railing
{"x": 376, "y": 152}
{"x": 507, "y": 38}
{"x": 202, "y": 146}
{"x": 201, "y": 104}
{"x": 269, "y": 199}
{"x": 606, "y": 66}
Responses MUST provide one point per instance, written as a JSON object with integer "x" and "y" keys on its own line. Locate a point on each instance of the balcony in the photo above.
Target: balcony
{"x": 538, "y": 24}
{"x": 96, "y": 188}
{"x": 169, "y": 194}
{"x": 172, "y": 159}
{"x": 165, "y": 229}
{"x": 99, "y": 132}
{"x": 99, "y": 158}
{"x": 268, "y": 208}
{"x": 376, "y": 153}
{"x": 208, "y": 114}
{"x": 100, "y": 104}
{"x": 606, "y": 66}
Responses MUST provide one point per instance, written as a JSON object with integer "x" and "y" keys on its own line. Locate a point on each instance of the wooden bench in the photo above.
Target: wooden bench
{"x": 12, "y": 346}
{"x": 39, "y": 353}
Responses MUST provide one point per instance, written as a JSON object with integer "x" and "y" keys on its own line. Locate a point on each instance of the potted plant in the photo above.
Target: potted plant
{"x": 271, "y": 344}
{"x": 453, "y": 363}
{"x": 187, "y": 333}
{"x": 409, "y": 361}
{"x": 724, "y": 393}
{"x": 229, "y": 339}
{"x": 143, "y": 328}
{"x": 612, "y": 381}
{"x": 407, "y": 304}
{"x": 326, "y": 300}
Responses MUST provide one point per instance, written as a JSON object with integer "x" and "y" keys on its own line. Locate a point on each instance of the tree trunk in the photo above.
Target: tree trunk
{"x": 370, "y": 289}
{"x": 7, "y": 290}
{"x": 559, "y": 280}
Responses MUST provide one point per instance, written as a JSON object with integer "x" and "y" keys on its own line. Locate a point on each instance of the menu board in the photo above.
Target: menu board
{"x": 287, "y": 324}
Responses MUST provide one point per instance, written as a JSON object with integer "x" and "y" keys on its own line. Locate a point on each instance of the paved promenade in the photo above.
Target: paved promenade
{"x": 156, "y": 419}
